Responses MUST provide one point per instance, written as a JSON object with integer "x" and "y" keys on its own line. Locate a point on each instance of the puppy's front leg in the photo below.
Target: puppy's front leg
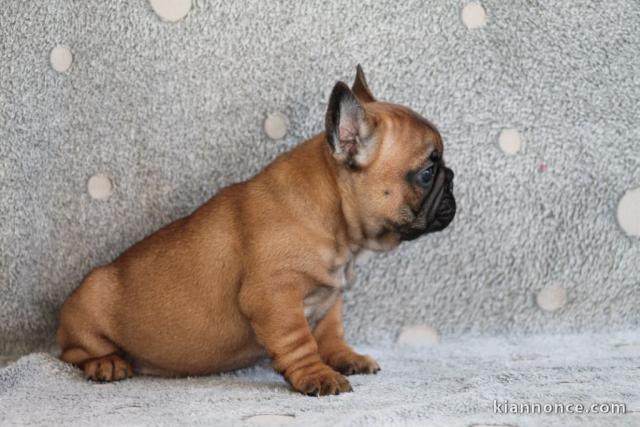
{"x": 276, "y": 312}
{"x": 335, "y": 351}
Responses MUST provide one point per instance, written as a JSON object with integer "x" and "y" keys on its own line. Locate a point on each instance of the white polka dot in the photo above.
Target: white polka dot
{"x": 474, "y": 15}
{"x": 552, "y": 298}
{"x": 419, "y": 336}
{"x": 271, "y": 420}
{"x": 633, "y": 347}
{"x": 275, "y": 126}
{"x": 492, "y": 425}
{"x": 629, "y": 212}
{"x": 61, "y": 58}
{"x": 510, "y": 141}
{"x": 171, "y": 10}
{"x": 100, "y": 187}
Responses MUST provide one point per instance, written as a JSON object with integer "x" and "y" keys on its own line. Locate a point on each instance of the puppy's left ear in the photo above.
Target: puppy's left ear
{"x": 348, "y": 128}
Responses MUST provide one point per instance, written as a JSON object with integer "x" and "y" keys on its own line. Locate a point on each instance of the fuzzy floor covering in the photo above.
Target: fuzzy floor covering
{"x": 451, "y": 384}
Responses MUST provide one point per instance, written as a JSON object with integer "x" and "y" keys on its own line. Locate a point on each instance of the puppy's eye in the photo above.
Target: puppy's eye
{"x": 425, "y": 176}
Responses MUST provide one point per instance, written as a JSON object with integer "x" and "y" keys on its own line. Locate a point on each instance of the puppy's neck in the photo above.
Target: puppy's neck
{"x": 319, "y": 192}
{"x": 349, "y": 220}
{"x": 362, "y": 234}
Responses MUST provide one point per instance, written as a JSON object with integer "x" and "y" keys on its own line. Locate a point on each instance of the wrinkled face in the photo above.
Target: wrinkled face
{"x": 406, "y": 190}
{"x": 394, "y": 158}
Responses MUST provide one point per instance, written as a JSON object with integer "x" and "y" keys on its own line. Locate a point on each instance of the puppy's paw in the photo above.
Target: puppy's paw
{"x": 353, "y": 363}
{"x": 319, "y": 380}
{"x": 107, "y": 368}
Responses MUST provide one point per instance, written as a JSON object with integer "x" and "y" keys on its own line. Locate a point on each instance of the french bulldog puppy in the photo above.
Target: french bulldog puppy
{"x": 259, "y": 270}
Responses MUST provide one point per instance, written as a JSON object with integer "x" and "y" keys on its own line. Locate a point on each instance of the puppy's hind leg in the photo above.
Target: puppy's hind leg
{"x": 84, "y": 328}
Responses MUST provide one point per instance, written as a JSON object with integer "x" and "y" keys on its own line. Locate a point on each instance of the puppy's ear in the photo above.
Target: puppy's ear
{"x": 348, "y": 127}
{"x": 360, "y": 87}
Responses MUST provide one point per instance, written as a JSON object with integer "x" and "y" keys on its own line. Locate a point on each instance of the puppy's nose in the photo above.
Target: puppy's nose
{"x": 448, "y": 174}
{"x": 449, "y": 178}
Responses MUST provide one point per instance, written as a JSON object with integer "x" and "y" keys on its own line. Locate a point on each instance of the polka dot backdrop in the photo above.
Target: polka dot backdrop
{"x": 510, "y": 141}
{"x": 100, "y": 187}
{"x": 275, "y": 125}
{"x": 629, "y": 212}
{"x": 269, "y": 420}
{"x": 61, "y": 58}
{"x": 552, "y": 298}
{"x": 474, "y": 15}
{"x": 176, "y": 99}
{"x": 418, "y": 336}
{"x": 171, "y": 10}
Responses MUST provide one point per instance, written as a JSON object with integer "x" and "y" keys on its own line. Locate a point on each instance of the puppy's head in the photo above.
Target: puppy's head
{"x": 394, "y": 159}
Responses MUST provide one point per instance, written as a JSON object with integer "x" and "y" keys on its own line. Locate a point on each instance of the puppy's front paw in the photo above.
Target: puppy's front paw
{"x": 353, "y": 363}
{"x": 319, "y": 380}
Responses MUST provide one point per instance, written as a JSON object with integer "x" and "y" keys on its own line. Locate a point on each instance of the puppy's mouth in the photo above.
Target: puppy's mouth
{"x": 437, "y": 210}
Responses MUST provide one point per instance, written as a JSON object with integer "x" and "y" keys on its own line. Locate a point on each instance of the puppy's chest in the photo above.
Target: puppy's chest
{"x": 338, "y": 278}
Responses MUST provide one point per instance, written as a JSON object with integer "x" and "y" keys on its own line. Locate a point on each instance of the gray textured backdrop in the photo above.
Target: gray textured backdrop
{"x": 174, "y": 111}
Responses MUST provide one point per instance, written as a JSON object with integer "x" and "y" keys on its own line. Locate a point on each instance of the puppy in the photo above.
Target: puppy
{"x": 259, "y": 270}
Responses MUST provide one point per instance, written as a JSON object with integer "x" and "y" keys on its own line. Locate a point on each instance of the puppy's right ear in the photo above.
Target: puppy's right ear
{"x": 360, "y": 87}
{"x": 348, "y": 127}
